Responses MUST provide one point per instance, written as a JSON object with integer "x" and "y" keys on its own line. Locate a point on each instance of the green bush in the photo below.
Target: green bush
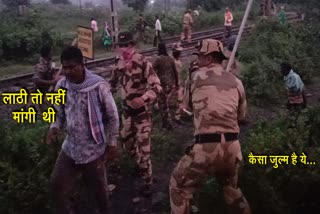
{"x": 270, "y": 44}
{"x": 25, "y": 167}
{"x": 287, "y": 189}
{"x": 171, "y": 22}
{"x": 213, "y": 4}
{"x": 22, "y": 37}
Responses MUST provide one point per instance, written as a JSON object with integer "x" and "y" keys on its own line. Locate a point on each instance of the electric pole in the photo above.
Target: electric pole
{"x": 114, "y": 24}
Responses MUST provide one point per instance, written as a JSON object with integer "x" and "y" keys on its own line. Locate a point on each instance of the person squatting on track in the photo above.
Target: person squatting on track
{"x": 165, "y": 68}
{"x": 218, "y": 101}
{"x": 89, "y": 110}
{"x": 139, "y": 87}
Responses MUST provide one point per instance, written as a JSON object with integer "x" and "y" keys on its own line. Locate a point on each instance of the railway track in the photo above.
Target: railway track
{"x": 103, "y": 66}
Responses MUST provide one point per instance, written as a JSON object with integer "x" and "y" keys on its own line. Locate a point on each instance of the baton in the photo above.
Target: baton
{"x": 235, "y": 48}
{"x": 188, "y": 112}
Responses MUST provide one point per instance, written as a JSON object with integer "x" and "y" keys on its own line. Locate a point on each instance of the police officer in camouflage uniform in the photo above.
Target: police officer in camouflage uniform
{"x": 140, "y": 27}
{"x": 187, "y": 26}
{"x": 166, "y": 70}
{"x": 218, "y": 101}
{"x": 176, "y": 53}
{"x": 139, "y": 86}
{"x": 43, "y": 73}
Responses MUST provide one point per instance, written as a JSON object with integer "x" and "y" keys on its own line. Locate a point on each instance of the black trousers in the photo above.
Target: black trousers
{"x": 227, "y": 32}
{"x": 157, "y": 38}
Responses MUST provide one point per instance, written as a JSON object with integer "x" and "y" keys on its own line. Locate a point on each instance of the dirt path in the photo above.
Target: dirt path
{"x": 166, "y": 153}
{"x": 127, "y": 185}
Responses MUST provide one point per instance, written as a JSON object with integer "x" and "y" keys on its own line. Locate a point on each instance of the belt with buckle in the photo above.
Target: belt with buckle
{"x": 215, "y": 138}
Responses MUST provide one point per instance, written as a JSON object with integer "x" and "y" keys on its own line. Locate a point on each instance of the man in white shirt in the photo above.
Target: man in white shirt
{"x": 94, "y": 25}
{"x": 158, "y": 31}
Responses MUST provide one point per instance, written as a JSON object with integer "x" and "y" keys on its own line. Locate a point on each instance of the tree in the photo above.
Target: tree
{"x": 137, "y": 5}
{"x": 11, "y": 4}
{"x": 60, "y": 1}
{"x": 207, "y": 5}
{"x": 212, "y": 5}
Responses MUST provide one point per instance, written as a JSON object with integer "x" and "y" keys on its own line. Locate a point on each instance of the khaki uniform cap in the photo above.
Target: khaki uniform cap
{"x": 177, "y": 47}
{"x": 208, "y": 46}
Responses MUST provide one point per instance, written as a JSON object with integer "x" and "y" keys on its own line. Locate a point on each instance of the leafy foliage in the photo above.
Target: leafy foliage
{"x": 212, "y": 5}
{"x": 11, "y": 4}
{"x": 276, "y": 188}
{"x": 171, "y": 23}
{"x": 60, "y": 1}
{"x": 286, "y": 189}
{"x": 268, "y": 46}
{"x": 137, "y": 5}
{"x": 25, "y": 166}
{"x": 22, "y": 37}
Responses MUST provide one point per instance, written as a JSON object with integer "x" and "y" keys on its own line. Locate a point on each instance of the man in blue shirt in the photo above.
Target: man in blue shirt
{"x": 295, "y": 89}
{"x": 90, "y": 118}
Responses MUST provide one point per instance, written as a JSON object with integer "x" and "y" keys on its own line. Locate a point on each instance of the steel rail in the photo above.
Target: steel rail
{"x": 107, "y": 62}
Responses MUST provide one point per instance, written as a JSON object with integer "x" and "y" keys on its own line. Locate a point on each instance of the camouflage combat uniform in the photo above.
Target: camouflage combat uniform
{"x": 43, "y": 71}
{"x": 140, "y": 27}
{"x": 140, "y": 81}
{"x": 167, "y": 73}
{"x": 187, "y": 26}
{"x": 218, "y": 102}
{"x": 180, "y": 90}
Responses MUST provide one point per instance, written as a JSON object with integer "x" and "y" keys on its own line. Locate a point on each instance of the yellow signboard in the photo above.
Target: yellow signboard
{"x": 85, "y": 42}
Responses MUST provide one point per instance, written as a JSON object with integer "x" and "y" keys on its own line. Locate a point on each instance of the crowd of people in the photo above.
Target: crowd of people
{"x": 90, "y": 117}
{"x": 187, "y": 26}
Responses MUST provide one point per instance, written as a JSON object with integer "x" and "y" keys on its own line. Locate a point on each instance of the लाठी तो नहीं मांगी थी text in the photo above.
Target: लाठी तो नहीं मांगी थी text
{"x": 22, "y": 98}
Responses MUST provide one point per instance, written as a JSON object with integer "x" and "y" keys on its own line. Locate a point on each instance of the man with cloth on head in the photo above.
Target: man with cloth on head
{"x": 139, "y": 86}
{"x": 217, "y": 99}
{"x": 89, "y": 111}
